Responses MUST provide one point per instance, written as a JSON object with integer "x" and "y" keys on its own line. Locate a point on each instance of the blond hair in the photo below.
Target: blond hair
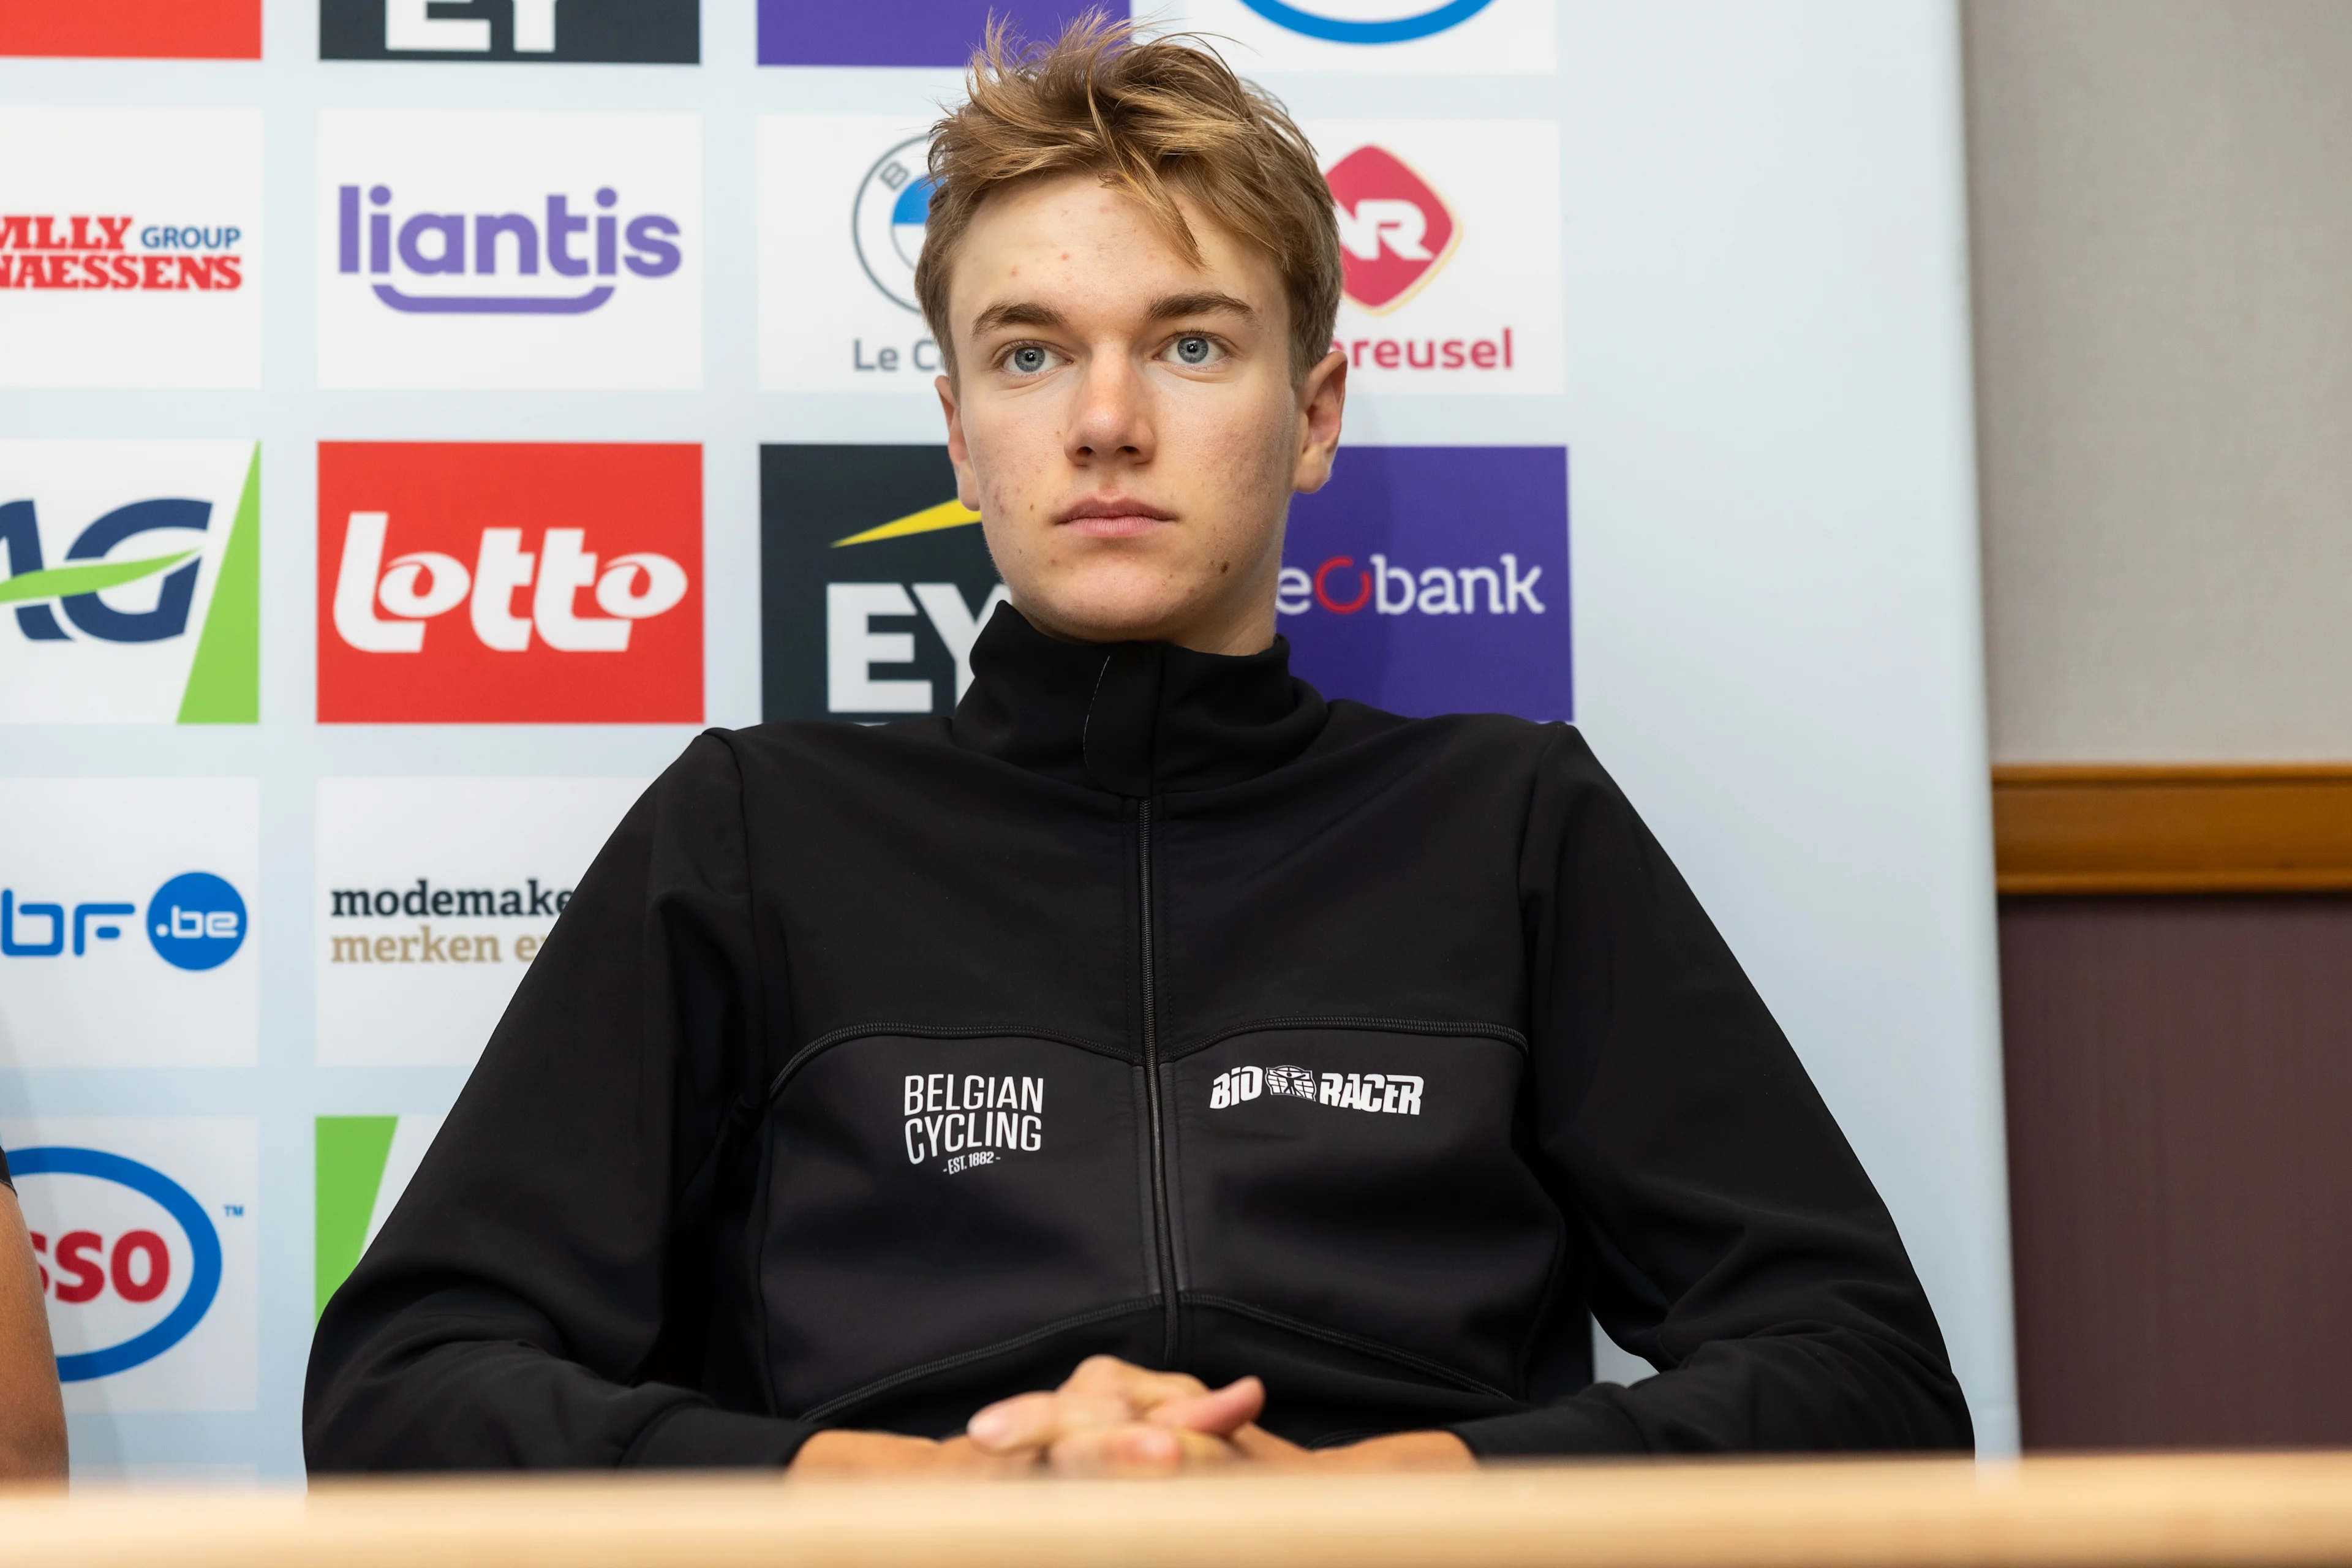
{"x": 1144, "y": 117}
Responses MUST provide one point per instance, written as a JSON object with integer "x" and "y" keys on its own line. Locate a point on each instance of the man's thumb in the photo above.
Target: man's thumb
{"x": 1221, "y": 1411}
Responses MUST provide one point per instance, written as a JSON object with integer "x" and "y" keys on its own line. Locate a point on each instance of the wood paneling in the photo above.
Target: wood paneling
{"x": 2175, "y": 1512}
{"x": 2173, "y": 829}
{"x": 2179, "y": 1088}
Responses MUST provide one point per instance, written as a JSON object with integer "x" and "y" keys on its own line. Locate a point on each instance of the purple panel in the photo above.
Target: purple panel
{"x": 901, "y": 32}
{"x": 1482, "y": 533}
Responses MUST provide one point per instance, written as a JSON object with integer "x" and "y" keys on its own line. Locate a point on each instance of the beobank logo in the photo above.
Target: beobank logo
{"x": 1432, "y": 580}
{"x": 142, "y": 1230}
{"x": 486, "y": 583}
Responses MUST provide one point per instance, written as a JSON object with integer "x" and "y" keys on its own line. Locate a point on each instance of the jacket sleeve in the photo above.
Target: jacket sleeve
{"x": 551, "y": 1259}
{"x": 1727, "y": 1232}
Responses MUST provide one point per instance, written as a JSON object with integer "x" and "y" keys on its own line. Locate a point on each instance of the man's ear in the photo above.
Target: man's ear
{"x": 1322, "y": 400}
{"x": 959, "y": 449}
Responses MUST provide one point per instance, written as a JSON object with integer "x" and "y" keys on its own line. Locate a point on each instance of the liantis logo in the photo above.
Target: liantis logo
{"x": 509, "y": 244}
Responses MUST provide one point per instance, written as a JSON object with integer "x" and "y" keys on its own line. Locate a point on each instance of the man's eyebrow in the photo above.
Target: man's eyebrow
{"x": 1210, "y": 302}
{"x": 1018, "y": 313}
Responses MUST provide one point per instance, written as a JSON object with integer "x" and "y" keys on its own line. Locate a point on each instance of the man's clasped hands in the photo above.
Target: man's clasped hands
{"x": 1114, "y": 1418}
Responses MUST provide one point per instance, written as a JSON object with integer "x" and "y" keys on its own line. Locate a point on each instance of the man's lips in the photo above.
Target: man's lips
{"x": 1113, "y": 517}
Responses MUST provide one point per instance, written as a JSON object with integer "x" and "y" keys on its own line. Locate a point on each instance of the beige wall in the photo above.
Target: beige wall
{"x": 2161, "y": 203}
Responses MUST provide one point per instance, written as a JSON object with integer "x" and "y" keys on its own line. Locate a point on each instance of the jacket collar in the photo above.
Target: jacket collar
{"x": 1132, "y": 717}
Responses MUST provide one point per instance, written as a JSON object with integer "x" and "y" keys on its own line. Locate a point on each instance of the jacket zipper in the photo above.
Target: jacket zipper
{"x": 1161, "y": 1230}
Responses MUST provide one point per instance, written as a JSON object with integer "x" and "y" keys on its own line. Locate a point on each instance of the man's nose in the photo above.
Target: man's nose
{"x": 1113, "y": 420}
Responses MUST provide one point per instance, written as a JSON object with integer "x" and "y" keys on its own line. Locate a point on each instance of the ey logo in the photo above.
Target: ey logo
{"x": 873, "y": 587}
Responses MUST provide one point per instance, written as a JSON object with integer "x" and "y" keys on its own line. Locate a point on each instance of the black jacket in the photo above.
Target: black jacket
{"x": 1152, "y": 1005}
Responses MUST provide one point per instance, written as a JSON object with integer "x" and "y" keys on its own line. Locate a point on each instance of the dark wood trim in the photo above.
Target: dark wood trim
{"x": 2173, "y": 828}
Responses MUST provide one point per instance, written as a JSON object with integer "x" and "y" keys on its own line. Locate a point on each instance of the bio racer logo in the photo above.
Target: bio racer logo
{"x": 138, "y": 1269}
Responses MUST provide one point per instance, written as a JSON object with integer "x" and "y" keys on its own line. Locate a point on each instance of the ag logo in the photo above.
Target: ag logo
{"x": 874, "y": 581}
{"x": 1395, "y": 232}
{"x": 893, "y": 203}
{"x": 130, "y": 1261}
{"x": 1368, "y": 21}
{"x": 133, "y": 580}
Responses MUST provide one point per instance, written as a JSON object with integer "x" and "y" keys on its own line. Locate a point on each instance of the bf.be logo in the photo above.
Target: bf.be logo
{"x": 129, "y": 1260}
{"x": 509, "y": 583}
{"x": 195, "y": 920}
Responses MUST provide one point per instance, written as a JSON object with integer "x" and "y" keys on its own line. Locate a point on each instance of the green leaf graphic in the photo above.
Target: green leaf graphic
{"x": 59, "y": 581}
{"x": 352, "y": 1151}
{"x": 225, "y": 679}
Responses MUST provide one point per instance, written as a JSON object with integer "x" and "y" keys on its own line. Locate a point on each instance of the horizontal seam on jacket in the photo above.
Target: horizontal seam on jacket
{"x": 965, "y": 1358}
{"x": 1460, "y": 1380}
{"x": 842, "y": 1036}
{"x": 1502, "y": 1032}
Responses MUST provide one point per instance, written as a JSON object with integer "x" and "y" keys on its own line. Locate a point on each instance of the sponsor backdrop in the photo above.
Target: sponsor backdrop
{"x": 421, "y": 415}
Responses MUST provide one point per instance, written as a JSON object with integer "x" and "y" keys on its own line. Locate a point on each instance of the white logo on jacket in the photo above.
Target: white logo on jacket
{"x": 968, "y": 1120}
{"x": 1394, "y": 1094}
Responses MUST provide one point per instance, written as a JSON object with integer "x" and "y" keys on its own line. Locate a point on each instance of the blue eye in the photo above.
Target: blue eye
{"x": 1195, "y": 351}
{"x": 1029, "y": 359}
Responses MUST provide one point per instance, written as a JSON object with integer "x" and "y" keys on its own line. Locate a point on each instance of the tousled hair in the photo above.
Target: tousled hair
{"x": 1144, "y": 117}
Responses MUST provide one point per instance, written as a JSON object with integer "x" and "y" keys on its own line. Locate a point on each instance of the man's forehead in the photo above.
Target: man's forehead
{"x": 1070, "y": 243}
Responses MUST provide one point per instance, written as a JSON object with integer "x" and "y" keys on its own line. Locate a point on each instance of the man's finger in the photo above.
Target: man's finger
{"x": 1137, "y": 1451}
{"x": 1223, "y": 1412}
{"x": 1031, "y": 1421}
{"x": 1106, "y": 1376}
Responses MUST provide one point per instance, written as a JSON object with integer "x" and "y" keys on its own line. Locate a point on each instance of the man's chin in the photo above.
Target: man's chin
{"x": 1085, "y": 614}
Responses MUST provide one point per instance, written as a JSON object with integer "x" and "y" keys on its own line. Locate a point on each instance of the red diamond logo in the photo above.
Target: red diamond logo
{"x": 1394, "y": 231}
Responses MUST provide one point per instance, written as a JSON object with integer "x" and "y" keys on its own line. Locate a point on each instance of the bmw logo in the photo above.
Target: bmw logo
{"x": 893, "y": 200}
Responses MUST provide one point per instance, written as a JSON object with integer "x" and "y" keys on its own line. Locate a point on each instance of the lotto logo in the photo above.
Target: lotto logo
{"x": 577, "y": 569}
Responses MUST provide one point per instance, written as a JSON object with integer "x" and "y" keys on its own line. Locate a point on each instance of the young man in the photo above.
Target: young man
{"x": 1150, "y": 1016}
{"x": 32, "y": 1412}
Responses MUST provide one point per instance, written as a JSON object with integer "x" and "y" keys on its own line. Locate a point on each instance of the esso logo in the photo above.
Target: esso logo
{"x": 1395, "y": 231}
{"x": 196, "y": 921}
{"x": 1367, "y": 21}
{"x": 509, "y": 583}
{"x": 130, "y": 1262}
